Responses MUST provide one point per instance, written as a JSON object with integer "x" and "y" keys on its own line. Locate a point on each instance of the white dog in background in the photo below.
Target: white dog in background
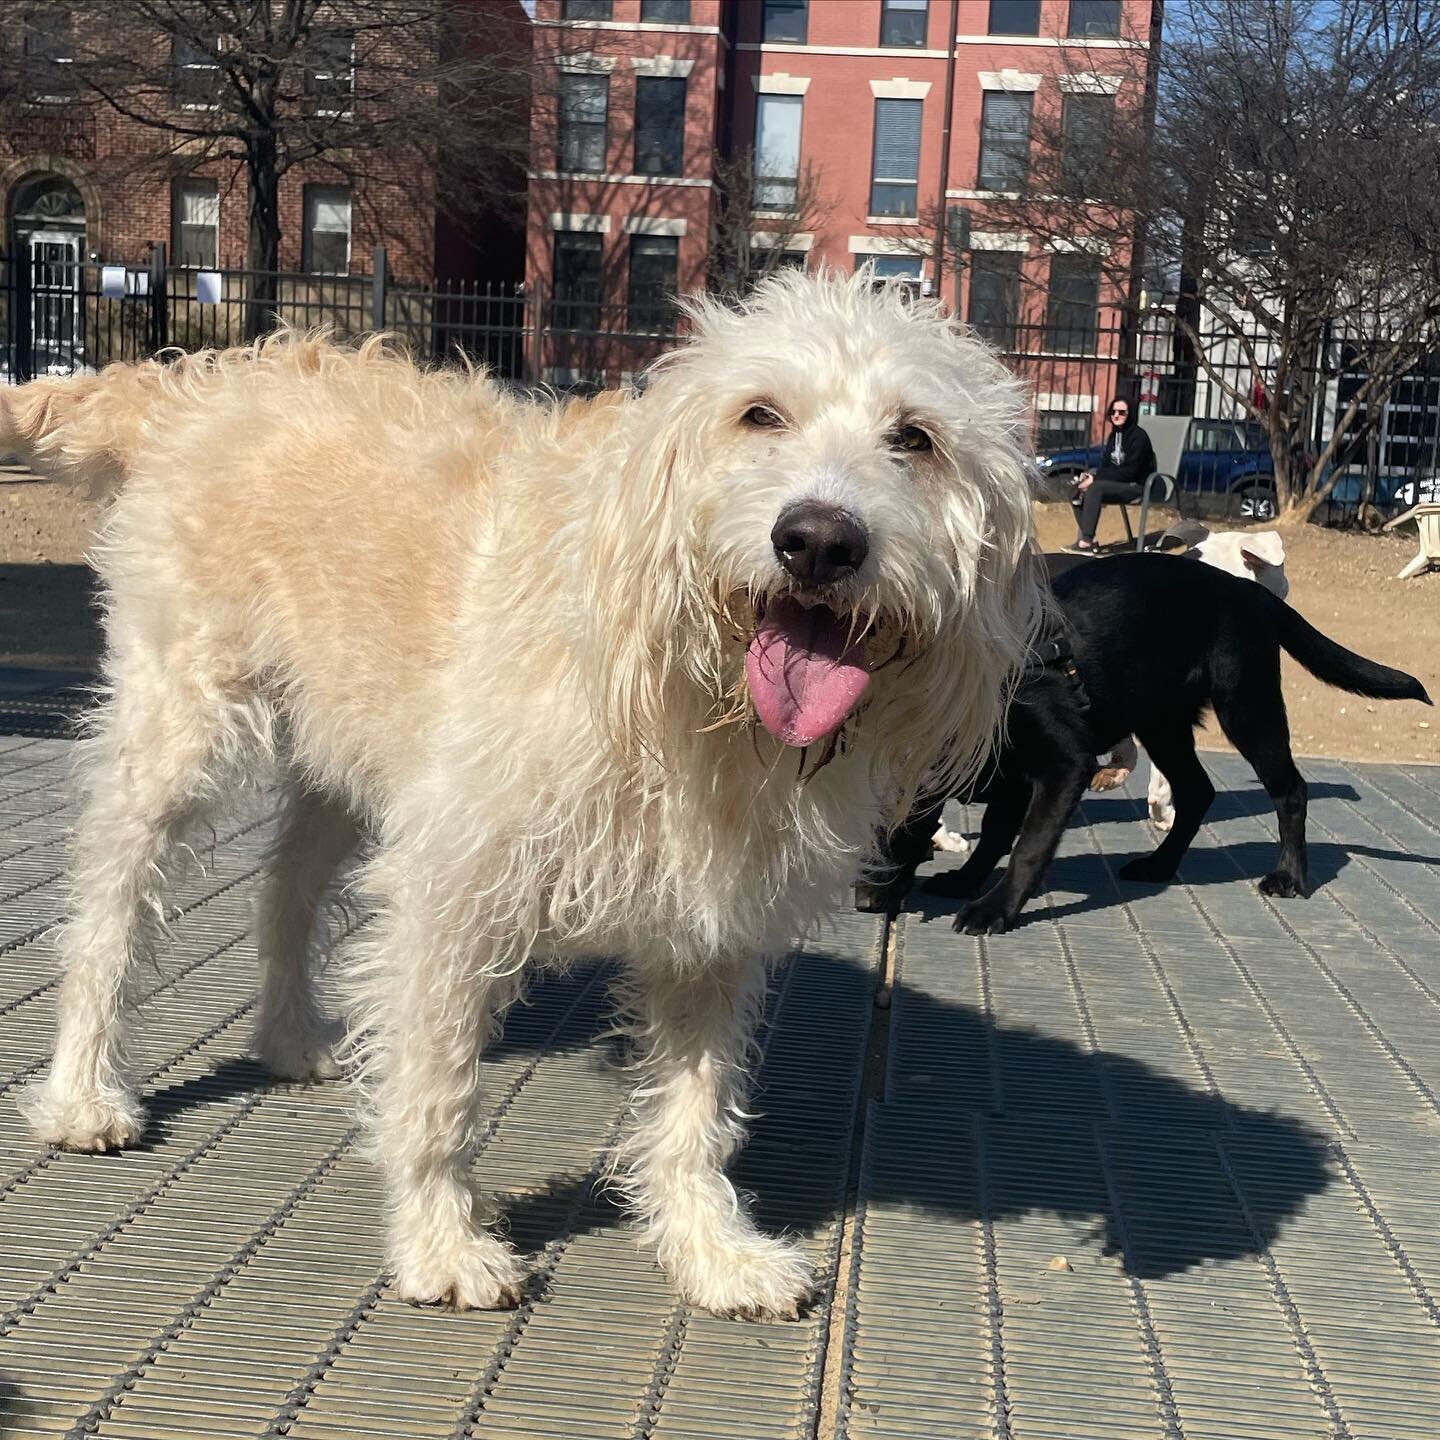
{"x": 1249, "y": 554}
{"x": 524, "y": 648}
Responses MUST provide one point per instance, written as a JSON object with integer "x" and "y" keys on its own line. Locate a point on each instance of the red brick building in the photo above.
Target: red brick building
{"x": 80, "y": 182}
{"x": 841, "y": 103}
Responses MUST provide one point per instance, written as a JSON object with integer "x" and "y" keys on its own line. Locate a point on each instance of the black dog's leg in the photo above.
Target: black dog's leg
{"x": 1173, "y": 752}
{"x": 1004, "y": 810}
{"x": 884, "y": 889}
{"x": 1259, "y": 730}
{"x": 1052, "y": 802}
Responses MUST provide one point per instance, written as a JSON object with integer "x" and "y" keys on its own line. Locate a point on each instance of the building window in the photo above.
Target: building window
{"x": 327, "y": 230}
{"x": 1095, "y": 19}
{"x": 586, "y": 10}
{"x": 785, "y": 21}
{"x": 49, "y": 56}
{"x": 330, "y": 74}
{"x": 903, "y": 22}
{"x": 654, "y": 278}
{"x": 777, "y": 151}
{"x": 196, "y": 72}
{"x": 1072, "y": 305}
{"x": 195, "y": 223}
{"x": 659, "y": 125}
{"x": 995, "y": 296}
{"x": 1085, "y": 140}
{"x": 584, "y": 108}
{"x": 1062, "y": 430}
{"x": 577, "y": 279}
{"x": 1014, "y": 17}
{"x": 896, "y": 165}
{"x": 665, "y": 12}
{"x": 1005, "y": 139}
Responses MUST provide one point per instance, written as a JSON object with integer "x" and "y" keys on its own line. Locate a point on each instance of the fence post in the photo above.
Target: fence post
{"x": 379, "y": 286}
{"x": 23, "y": 268}
{"x": 537, "y": 328}
{"x": 159, "y": 313}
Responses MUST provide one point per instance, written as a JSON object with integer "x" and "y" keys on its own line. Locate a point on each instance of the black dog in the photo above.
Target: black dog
{"x": 1144, "y": 644}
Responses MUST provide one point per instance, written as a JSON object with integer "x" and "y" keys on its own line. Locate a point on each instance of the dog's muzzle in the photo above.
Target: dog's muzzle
{"x": 819, "y": 544}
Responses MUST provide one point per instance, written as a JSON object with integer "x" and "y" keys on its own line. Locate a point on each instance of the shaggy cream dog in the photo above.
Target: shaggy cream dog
{"x": 526, "y": 649}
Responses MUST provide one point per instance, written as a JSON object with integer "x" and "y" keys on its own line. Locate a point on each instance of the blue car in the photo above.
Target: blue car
{"x": 1219, "y": 464}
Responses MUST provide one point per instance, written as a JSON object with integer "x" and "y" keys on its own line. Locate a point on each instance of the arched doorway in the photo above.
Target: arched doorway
{"x": 47, "y": 234}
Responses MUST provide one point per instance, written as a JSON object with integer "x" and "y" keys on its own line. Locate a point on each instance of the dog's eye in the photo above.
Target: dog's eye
{"x": 762, "y": 417}
{"x": 910, "y": 437}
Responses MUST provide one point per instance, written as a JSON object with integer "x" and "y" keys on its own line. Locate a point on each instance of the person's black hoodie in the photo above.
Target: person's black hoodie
{"x": 1137, "y": 456}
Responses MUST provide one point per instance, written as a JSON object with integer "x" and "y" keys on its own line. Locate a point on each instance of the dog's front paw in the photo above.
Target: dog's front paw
{"x": 290, "y": 1053}
{"x": 1146, "y": 870}
{"x": 984, "y": 917}
{"x": 950, "y": 842}
{"x": 86, "y": 1123}
{"x": 1284, "y": 886}
{"x": 887, "y": 897}
{"x": 1162, "y": 816}
{"x": 478, "y": 1273}
{"x": 758, "y": 1278}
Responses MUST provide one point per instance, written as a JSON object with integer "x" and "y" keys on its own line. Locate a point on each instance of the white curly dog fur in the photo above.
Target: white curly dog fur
{"x": 510, "y": 643}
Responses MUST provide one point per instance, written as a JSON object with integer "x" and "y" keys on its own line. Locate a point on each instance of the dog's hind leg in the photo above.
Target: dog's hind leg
{"x": 1258, "y": 728}
{"x": 432, "y": 978}
{"x": 314, "y": 836}
{"x": 694, "y": 1028}
{"x": 150, "y": 771}
{"x": 1174, "y": 752}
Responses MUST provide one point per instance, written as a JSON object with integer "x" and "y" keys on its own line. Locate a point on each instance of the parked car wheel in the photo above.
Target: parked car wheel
{"x": 1257, "y": 502}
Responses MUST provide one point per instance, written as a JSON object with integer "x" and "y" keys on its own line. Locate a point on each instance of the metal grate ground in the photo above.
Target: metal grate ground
{"x": 1222, "y": 1112}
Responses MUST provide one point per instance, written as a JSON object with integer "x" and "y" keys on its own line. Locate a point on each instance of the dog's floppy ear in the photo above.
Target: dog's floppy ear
{"x": 638, "y": 588}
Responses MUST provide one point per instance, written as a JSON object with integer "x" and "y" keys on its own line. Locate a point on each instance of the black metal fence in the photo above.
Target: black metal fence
{"x": 60, "y": 313}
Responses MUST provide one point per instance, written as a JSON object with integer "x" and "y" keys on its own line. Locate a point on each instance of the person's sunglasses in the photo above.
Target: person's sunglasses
{"x": 1118, "y": 410}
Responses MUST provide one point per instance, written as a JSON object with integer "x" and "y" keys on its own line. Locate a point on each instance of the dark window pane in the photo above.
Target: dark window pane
{"x": 49, "y": 54}
{"x": 1005, "y": 139}
{"x": 585, "y": 10}
{"x": 659, "y": 125}
{"x": 903, "y": 22}
{"x": 1014, "y": 17}
{"x": 1095, "y": 19}
{"x": 577, "y": 280}
{"x": 785, "y": 21}
{"x": 1070, "y": 310}
{"x": 330, "y": 72}
{"x": 327, "y": 230}
{"x": 896, "y": 164}
{"x": 995, "y": 295}
{"x": 196, "y": 219}
{"x": 1086, "y": 127}
{"x": 584, "y": 109}
{"x": 196, "y": 75}
{"x": 666, "y": 12}
{"x": 654, "y": 268}
{"x": 1062, "y": 430}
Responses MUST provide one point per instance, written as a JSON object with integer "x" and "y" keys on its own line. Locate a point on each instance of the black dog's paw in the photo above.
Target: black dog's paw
{"x": 1284, "y": 886}
{"x": 983, "y": 917}
{"x": 950, "y": 884}
{"x": 1147, "y": 871}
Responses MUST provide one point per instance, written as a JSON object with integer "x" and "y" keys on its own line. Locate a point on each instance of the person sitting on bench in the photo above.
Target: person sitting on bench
{"x": 1126, "y": 462}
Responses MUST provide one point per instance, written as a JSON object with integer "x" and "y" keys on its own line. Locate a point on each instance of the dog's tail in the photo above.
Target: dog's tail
{"x": 1336, "y": 665}
{"x": 83, "y": 428}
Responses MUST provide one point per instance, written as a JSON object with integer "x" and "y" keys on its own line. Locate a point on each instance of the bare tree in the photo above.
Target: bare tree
{"x": 1291, "y": 182}
{"x": 758, "y": 220}
{"x": 369, "y": 90}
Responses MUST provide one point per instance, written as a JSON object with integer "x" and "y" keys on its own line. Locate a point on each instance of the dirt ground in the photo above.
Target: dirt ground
{"x": 1344, "y": 583}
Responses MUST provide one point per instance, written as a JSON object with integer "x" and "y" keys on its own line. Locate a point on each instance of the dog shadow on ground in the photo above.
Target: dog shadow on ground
{"x": 980, "y": 1121}
{"x": 990, "y": 1122}
{"x": 1244, "y": 860}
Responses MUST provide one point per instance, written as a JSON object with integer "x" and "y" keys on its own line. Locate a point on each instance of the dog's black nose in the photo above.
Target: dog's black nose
{"x": 818, "y": 543}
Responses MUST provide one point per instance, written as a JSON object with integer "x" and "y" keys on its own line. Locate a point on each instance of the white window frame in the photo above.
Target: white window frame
{"x": 176, "y": 193}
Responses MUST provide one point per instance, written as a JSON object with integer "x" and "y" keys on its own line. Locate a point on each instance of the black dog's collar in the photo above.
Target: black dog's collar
{"x": 1055, "y": 653}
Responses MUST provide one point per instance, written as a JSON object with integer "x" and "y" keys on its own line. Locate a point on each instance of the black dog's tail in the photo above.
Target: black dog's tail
{"x": 1343, "y": 668}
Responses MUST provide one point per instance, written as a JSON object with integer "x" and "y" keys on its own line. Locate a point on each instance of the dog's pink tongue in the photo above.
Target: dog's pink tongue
{"x": 803, "y": 677}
